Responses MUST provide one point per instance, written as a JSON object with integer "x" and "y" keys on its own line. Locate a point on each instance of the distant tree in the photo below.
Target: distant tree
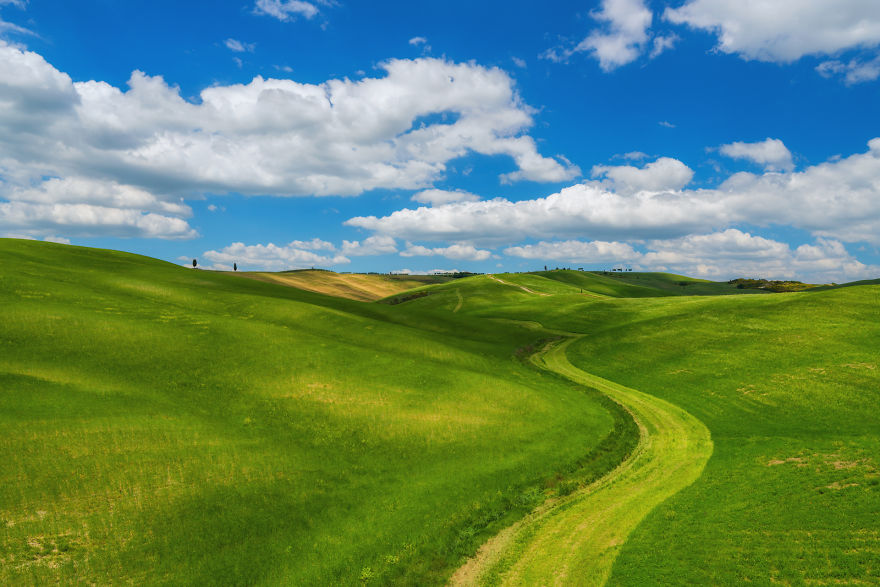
{"x": 545, "y": 268}
{"x": 235, "y": 266}
{"x": 195, "y": 263}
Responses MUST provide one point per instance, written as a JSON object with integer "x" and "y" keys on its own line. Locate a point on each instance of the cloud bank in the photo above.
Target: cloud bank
{"x": 268, "y": 137}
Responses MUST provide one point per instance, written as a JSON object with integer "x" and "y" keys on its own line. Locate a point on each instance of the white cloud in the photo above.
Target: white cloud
{"x": 661, "y": 44}
{"x": 771, "y": 153}
{"x": 315, "y": 244}
{"x": 627, "y": 23}
{"x": 460, "y": 252}
{"x": 415, "y": 41}
{"x": 374, "y": 245}
{"x": 271, "y": 136}
{"x": 85, "y": 207}
{"x": 270, "y": 257}
{"x": 664, "y": 174}
{"x": 57, "y": 239}
{"x": 575, "y": 251}
{"x": 8, "y": 27}
{"x": 783, "y": 30}
{"x": 733, "y": 253}
{"x": 439, "y": 197}
{"x": 623, "y": 36}
{"x": 89, "y": 220}
{"x": 719, "y": 256}
{"x": 666, "y": 124}
{"x": 834, "y": 200}
{"x": 855, "y": 71}
{"x": 521, "y": 63}
{"x": 239, "y": 46}
{"x": 285, "y": 10}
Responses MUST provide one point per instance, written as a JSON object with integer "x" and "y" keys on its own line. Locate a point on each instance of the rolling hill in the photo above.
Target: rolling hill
{"x": 168, "y": 425}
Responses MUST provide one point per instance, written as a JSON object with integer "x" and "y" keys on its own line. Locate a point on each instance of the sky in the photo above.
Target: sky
{"x": 712, "y": 138}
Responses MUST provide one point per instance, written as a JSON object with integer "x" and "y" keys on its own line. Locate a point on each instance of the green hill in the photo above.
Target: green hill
{"x": 164, "y": 424}
{"x": 168, "y": 425}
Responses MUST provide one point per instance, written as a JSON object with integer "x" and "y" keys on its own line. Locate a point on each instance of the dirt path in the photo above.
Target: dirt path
{"x": 574, "y": 540}
{"x": 460, "y": 301}
{"x": 522, "y": 287}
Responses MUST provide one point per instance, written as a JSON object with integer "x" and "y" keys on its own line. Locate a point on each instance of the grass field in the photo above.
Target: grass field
{"x": 166, "y": 425}
{"x": 789, "y": 387}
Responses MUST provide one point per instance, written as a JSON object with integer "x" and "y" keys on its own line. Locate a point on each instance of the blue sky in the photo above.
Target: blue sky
{"x": 715, "y": 138}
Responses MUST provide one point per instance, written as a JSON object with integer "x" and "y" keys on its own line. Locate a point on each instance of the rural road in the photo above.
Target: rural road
{"x": 574, "y": 540}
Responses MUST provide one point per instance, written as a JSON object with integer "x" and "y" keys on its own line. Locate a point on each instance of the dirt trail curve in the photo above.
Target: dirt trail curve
{"x": 522, "y": 287}
{"x": 574, "y": 540}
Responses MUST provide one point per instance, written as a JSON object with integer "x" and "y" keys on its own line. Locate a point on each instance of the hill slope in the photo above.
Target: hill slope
{"x": 163, "y": 424}
{"x": 354, "y": 286}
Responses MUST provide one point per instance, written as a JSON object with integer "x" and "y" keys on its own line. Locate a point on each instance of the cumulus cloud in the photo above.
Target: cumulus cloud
{"x": 270, "y": 257}
{"x": 624, "y": 34}
{"x": 664, "y": 174}
{"x": 436, "y": 197}
{"x": 85, "y": 207}
{"x": 626, "y": 24}
{"x": 461, "y": 252}
{"x": 783, "y": 30}
{"x": 271, "y": 136}
{"x": 770, "y": 153}
{"x": 315, "y": 244}
{"x": 661, "y": 44}
{"x": 575, "y": 251}
{"x": 835, "y": 200}
{"x": 286, "y": 10}
{"x": 718, "y": 255}
{"x": 733, "y": 253}
{"x": 374, "y": 245}
{"x": 89, "y": 220}
{"x": 267, "y": 137}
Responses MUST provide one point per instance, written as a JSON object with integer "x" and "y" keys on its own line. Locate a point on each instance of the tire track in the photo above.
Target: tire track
{"x": 574, "y": 540}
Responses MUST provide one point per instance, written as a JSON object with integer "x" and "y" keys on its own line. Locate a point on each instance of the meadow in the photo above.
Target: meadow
{"x": 789, "y": 387}
{"x": 169, "y": 425}
{"x": 175, "y": 426}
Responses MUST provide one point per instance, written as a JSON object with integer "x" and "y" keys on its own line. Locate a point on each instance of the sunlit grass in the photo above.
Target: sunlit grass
{"x": 161, "y": 424}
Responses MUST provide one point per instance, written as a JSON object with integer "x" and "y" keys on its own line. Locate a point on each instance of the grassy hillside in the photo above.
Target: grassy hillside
{"x": 165, "y": 424}
{"x": 354, "y": 286}
{"x": 788, "y": 386}
{"x": 171, "y": 425}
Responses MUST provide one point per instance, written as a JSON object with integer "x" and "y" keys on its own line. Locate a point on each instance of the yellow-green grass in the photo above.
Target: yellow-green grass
{"x": 166, "y": 425}
{"x": 574, "y": 540}
{"x": 354, "y": 286}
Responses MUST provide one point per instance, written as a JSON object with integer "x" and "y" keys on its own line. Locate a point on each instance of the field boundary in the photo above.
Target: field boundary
{"x": 575, "y": 539}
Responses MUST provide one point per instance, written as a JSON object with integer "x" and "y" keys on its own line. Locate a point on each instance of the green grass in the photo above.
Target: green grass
{"x": 575, "y": 539}
{"x": 788, "y": 386}
{"x": 166, "y": 425}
